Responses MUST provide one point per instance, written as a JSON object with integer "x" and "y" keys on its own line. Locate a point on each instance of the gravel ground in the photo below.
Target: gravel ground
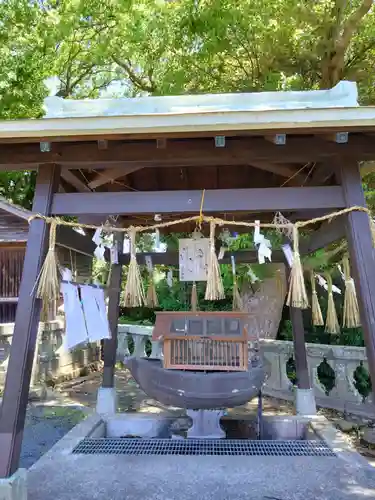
{"x": 44, "y": 426}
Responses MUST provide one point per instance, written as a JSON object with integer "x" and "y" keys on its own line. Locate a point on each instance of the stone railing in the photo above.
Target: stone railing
{"x": 52, "y": 361}
{"x": 136, "y": 341}
{"x": 337, "y": 390}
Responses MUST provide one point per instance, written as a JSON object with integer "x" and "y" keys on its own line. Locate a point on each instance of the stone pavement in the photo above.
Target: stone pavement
{"x": 63, "y": 476}
{"x": 203, "y": 478}
{"x": 44, "y": 426}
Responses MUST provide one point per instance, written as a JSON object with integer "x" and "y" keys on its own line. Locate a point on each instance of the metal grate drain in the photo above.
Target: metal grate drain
{"x": 137, "y": 446}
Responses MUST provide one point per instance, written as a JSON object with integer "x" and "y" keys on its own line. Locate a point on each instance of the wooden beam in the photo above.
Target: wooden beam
{"x": 68, "y": 238}
{"x": 328, "y": 233}
{"x": 15, "y": 398}
{"x": 339, "y": 137}
{"x": 112, "y": 174}
{"x": 103, "y": 144}
{"x": 161, "y": 143}
{"x": 95, "y": 220}
{"x": 362, "y": 257}
{"x": 75, "y": 181}
{"x": 241, "y": 149}
{"x": 172, "y": 258}
{"x": 278, "y": 139}
{"x": 219, "y": 200}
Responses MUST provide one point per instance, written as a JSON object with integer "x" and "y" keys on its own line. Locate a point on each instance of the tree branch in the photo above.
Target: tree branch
{"x": 349, "y": 28}
{"x": 333, "y": 64}
{"x": 139, "y": 81}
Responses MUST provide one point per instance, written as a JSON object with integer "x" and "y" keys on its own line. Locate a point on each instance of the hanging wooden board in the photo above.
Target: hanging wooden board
{"x": 193, "y": 259}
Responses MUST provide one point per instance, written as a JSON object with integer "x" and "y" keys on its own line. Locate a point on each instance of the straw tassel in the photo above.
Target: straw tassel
{"x": 48, "y": 288}
{"x": 316, "y": 312}
{"x": 237, "y": 303}
{"x": 332, "y": 324}
{"x": 194, "y": 297}
{"x": 44, "y": 313}
{"x": 350, "y": 317}
{"x": 214, "y": 288}
{"x": 297, "y": 296}
{"x": 134, "y": 292}
{"x": 152, "y": 298}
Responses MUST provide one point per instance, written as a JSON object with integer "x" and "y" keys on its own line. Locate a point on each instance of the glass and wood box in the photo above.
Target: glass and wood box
{"x": 215, "y": 341}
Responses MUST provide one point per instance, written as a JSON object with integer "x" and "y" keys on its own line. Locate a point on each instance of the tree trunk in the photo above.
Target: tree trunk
{"x": 342, "y": 33}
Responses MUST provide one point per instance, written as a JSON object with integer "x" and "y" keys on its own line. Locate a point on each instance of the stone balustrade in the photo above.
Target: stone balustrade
{"x": 332, "y": 369}
{"x": 338, "y": 390}
{"x": 136, "y": 341}
{"x": 52, "y": 360}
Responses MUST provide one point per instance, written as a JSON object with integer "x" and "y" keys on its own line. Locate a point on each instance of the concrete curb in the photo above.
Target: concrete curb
{"x": 338, "y": 442}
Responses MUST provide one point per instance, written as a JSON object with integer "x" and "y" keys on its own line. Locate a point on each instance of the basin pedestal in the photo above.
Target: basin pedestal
{"x": 206, "y": 424}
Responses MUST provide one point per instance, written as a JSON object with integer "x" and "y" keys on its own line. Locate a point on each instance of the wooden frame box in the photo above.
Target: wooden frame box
{"x": 207, "y": 341}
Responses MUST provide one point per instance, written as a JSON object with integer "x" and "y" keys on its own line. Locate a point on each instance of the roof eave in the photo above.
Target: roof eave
{"x": 339, "y": 119}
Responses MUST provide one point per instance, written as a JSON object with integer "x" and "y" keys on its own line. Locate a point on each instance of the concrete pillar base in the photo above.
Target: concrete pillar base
{"x": 206, "y": 424}
{"x": 14, "y": 487}
{"x": 38, "y": 392}
{"x": 106, "y": 403}
{"x": 305, "y": 402}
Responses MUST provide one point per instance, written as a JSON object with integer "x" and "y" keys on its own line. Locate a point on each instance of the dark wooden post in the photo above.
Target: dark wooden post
{"x": 13, "y": 409}
{"x": 361, "y": 256}
{"x": 110, "y": 345}
{"x": 106, "y": 400}
{"x": 300, "y": 357}
{"x": 305, "y": 399}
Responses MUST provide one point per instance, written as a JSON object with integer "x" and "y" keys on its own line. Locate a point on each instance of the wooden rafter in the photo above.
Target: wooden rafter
{"x": 288, "y": 171}
{"x": 328, "y": 233}
{"x": 112, "y": 174}
{"x": 321, "y": 173}
{"x": 72, "y": 179}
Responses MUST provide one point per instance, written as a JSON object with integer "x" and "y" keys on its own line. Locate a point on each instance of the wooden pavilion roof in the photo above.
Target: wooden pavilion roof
{"x": 163, "y": 152}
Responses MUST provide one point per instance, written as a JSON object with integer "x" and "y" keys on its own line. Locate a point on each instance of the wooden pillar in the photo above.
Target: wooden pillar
{"x": 300, "y": 357}
{"x": 361, "y": 256}
{"x": 15, "y": 398}
{"x": 304, "y": 394}
{"x": 110, "y": 345}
